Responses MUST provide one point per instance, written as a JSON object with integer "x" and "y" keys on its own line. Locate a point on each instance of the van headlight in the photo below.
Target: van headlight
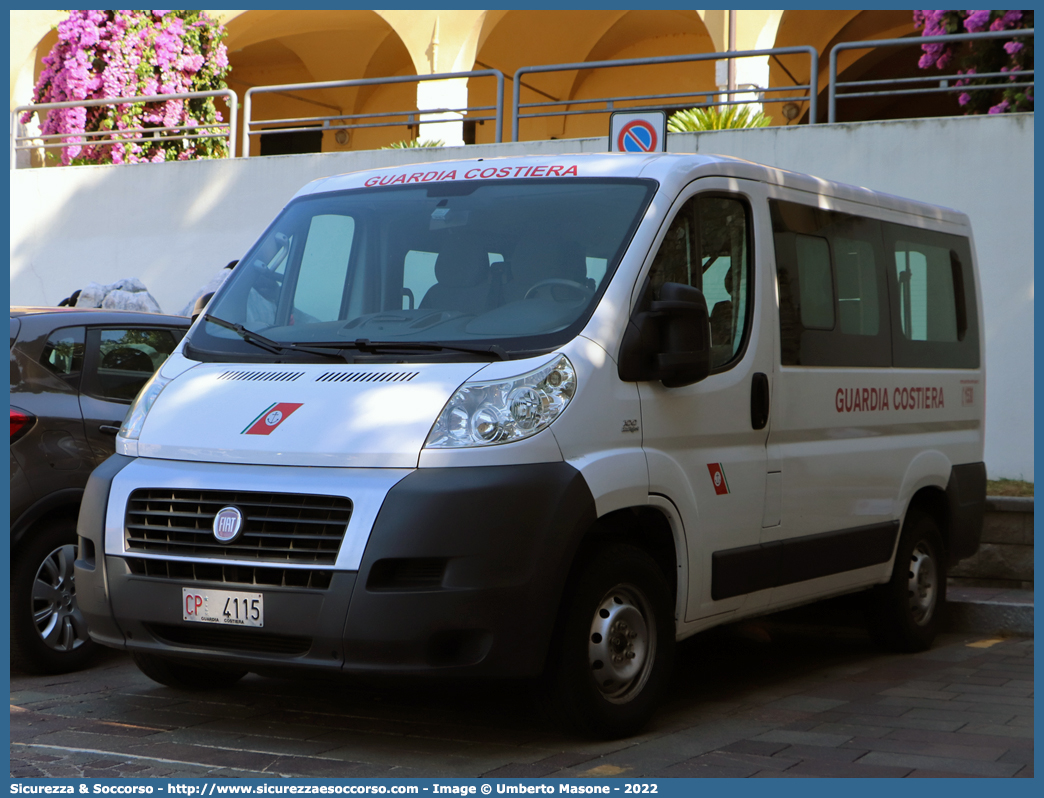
{"x": 504, "y": 411}
{"x": 131, "y": 428}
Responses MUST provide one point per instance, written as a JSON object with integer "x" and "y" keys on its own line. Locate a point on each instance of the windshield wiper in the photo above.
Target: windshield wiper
{"x": 273, "y": 346}
{"x": 375, "y": 347}
{"x": 361, "y": 344}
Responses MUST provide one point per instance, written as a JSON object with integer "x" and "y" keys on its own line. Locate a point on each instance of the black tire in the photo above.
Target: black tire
{"x": 183, "y": 674}
{"x": 615, "y": 644}
{"x": 906, "y": 612}
{"x": 48, "y": 631}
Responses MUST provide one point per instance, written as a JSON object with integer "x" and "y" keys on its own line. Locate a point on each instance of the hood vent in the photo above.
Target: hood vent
{"x": 262, "y": 376}
{"x": 367, "y": 376}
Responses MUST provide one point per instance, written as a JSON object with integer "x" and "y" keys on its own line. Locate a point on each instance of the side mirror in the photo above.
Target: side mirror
{"x": 668, "y": 339}
{"x": 201, "y": 305}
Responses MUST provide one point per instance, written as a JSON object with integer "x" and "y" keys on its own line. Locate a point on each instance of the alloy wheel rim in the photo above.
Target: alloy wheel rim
{"x": 56, "y": 615}
{"x": 621, "y": 644}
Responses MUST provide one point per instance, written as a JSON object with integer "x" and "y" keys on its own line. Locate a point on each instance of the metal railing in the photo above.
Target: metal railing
{"x": 518, "y": 112}
{"x": 942, "y": 82}
{"x": 101, "y": 138}
{"x": 412, "y": 118}
{"x": 409, "y": 118}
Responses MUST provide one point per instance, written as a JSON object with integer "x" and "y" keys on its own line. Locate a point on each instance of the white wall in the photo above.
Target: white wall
{"x": 175, "y": 225}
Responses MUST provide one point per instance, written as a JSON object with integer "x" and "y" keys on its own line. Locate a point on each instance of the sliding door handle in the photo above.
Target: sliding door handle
{"x": 759, "y": 401}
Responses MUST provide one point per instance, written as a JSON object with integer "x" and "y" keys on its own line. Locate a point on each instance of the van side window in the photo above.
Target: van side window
{"x": 675, "y": 259}
{"x": 933, "y": 305}
{"x": 816, "y": 282}
{"x": 857, "y": 287}
{"x": 269, "y": 264}
{"x": 831, "y": 278}
{"x": 927, "y": 305}
{"x": 707, "y": 246}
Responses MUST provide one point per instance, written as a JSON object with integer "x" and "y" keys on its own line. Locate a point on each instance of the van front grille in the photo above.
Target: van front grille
{"x": 229, "y": 574}
{"x": 277, "y": 527}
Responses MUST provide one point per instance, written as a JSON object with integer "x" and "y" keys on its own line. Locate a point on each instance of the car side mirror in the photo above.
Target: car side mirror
{"x": 668, "y": 339}
{"x": 201, "y": 305}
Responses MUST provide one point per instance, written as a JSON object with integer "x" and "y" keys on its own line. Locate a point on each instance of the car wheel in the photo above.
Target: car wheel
{"x": 615, "y": 646}
{"x": 48, "y": 631}
{"x": 906, "y": 612}
{"x": 183, "y": 674}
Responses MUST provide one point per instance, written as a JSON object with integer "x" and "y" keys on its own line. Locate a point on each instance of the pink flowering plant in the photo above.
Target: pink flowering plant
{"x": 1001, "y": 55}
{"x": 102, "y": 54}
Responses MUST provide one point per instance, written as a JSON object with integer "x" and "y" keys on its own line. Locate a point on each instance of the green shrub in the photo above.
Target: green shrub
{"x": 408, "y": 144}
{"x": 729, "y": 117}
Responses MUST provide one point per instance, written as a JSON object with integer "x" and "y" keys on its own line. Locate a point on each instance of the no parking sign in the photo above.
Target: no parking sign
{"x": 638, "y": 132}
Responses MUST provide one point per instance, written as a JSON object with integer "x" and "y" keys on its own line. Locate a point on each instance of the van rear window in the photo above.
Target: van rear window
{"x": 934, "y": 319}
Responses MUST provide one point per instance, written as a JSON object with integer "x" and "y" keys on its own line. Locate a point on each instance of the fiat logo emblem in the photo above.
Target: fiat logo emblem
{"x": 228, "y": 523}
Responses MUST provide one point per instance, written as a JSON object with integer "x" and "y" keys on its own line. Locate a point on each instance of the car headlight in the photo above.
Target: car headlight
{"x": 131, "y": 428}
{"x": 504, "y": 411}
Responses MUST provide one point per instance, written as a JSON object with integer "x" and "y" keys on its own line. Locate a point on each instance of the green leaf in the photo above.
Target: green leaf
{"x": 408, "y": 144}
{"x": 731, "y": 117}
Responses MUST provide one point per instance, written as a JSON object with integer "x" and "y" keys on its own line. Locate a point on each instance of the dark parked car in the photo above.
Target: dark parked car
{"x": 74, "y": 373}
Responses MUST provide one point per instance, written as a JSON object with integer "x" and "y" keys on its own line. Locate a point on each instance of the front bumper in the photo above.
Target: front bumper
{"x": 461, "y": 570}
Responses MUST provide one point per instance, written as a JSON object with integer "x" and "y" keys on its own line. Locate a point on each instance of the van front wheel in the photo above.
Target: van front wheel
{"x": 616, "y": 645}
{"x": 906, "y": 613}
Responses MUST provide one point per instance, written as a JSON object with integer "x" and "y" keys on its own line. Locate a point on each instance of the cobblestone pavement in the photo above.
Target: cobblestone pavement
{"x": 766, "y": 698}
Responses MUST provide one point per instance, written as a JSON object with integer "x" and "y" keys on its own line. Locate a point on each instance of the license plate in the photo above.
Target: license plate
{"x": 222, "y": 606}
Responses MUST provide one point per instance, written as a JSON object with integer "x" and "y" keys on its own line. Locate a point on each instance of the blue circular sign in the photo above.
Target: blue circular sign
{"x": 637, "y": 136}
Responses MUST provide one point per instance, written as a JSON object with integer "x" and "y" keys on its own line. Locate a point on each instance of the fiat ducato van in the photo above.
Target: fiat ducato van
{"x": 546, "y": 416}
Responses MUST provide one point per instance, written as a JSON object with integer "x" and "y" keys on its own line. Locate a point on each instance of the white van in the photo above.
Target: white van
{"x": 547, "y": 415}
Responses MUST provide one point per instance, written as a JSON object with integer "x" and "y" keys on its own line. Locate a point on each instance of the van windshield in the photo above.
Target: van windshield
{"x": 516, "y": 265}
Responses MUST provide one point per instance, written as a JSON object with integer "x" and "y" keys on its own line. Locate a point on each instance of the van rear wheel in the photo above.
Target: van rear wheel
{"x": 613, "y": 657}
{"x": 906, "y": 613}
{"x": 183, "y": 674}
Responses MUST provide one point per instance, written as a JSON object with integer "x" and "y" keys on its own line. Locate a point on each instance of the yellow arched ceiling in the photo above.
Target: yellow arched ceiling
{"x": 330, "y": 45}
{"x": 268, "y": 47}
{"x": 32, "y": 37}
{"x": 281, "y": 47}
{"x": 513, "y": 39}
{"x": 417, "y": 29}
{"x": 824, "y": 29}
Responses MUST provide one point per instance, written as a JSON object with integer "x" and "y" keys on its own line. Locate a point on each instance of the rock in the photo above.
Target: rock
{"x": 132, "y": 284}
{"x": 91, "y": 296}
{"x": 128, "y": 293}
{"x": 131, "y": 300}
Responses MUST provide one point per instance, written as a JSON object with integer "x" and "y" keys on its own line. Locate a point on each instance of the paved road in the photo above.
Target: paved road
{"x": 776, "y": 697}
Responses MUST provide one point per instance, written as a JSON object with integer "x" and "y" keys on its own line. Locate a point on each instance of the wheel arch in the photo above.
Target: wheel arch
{"x": 652, "y": 527}
{"x": 931, "y": 500}
{"x": 924, "y": 488}
{"x": 61, "y": 504}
